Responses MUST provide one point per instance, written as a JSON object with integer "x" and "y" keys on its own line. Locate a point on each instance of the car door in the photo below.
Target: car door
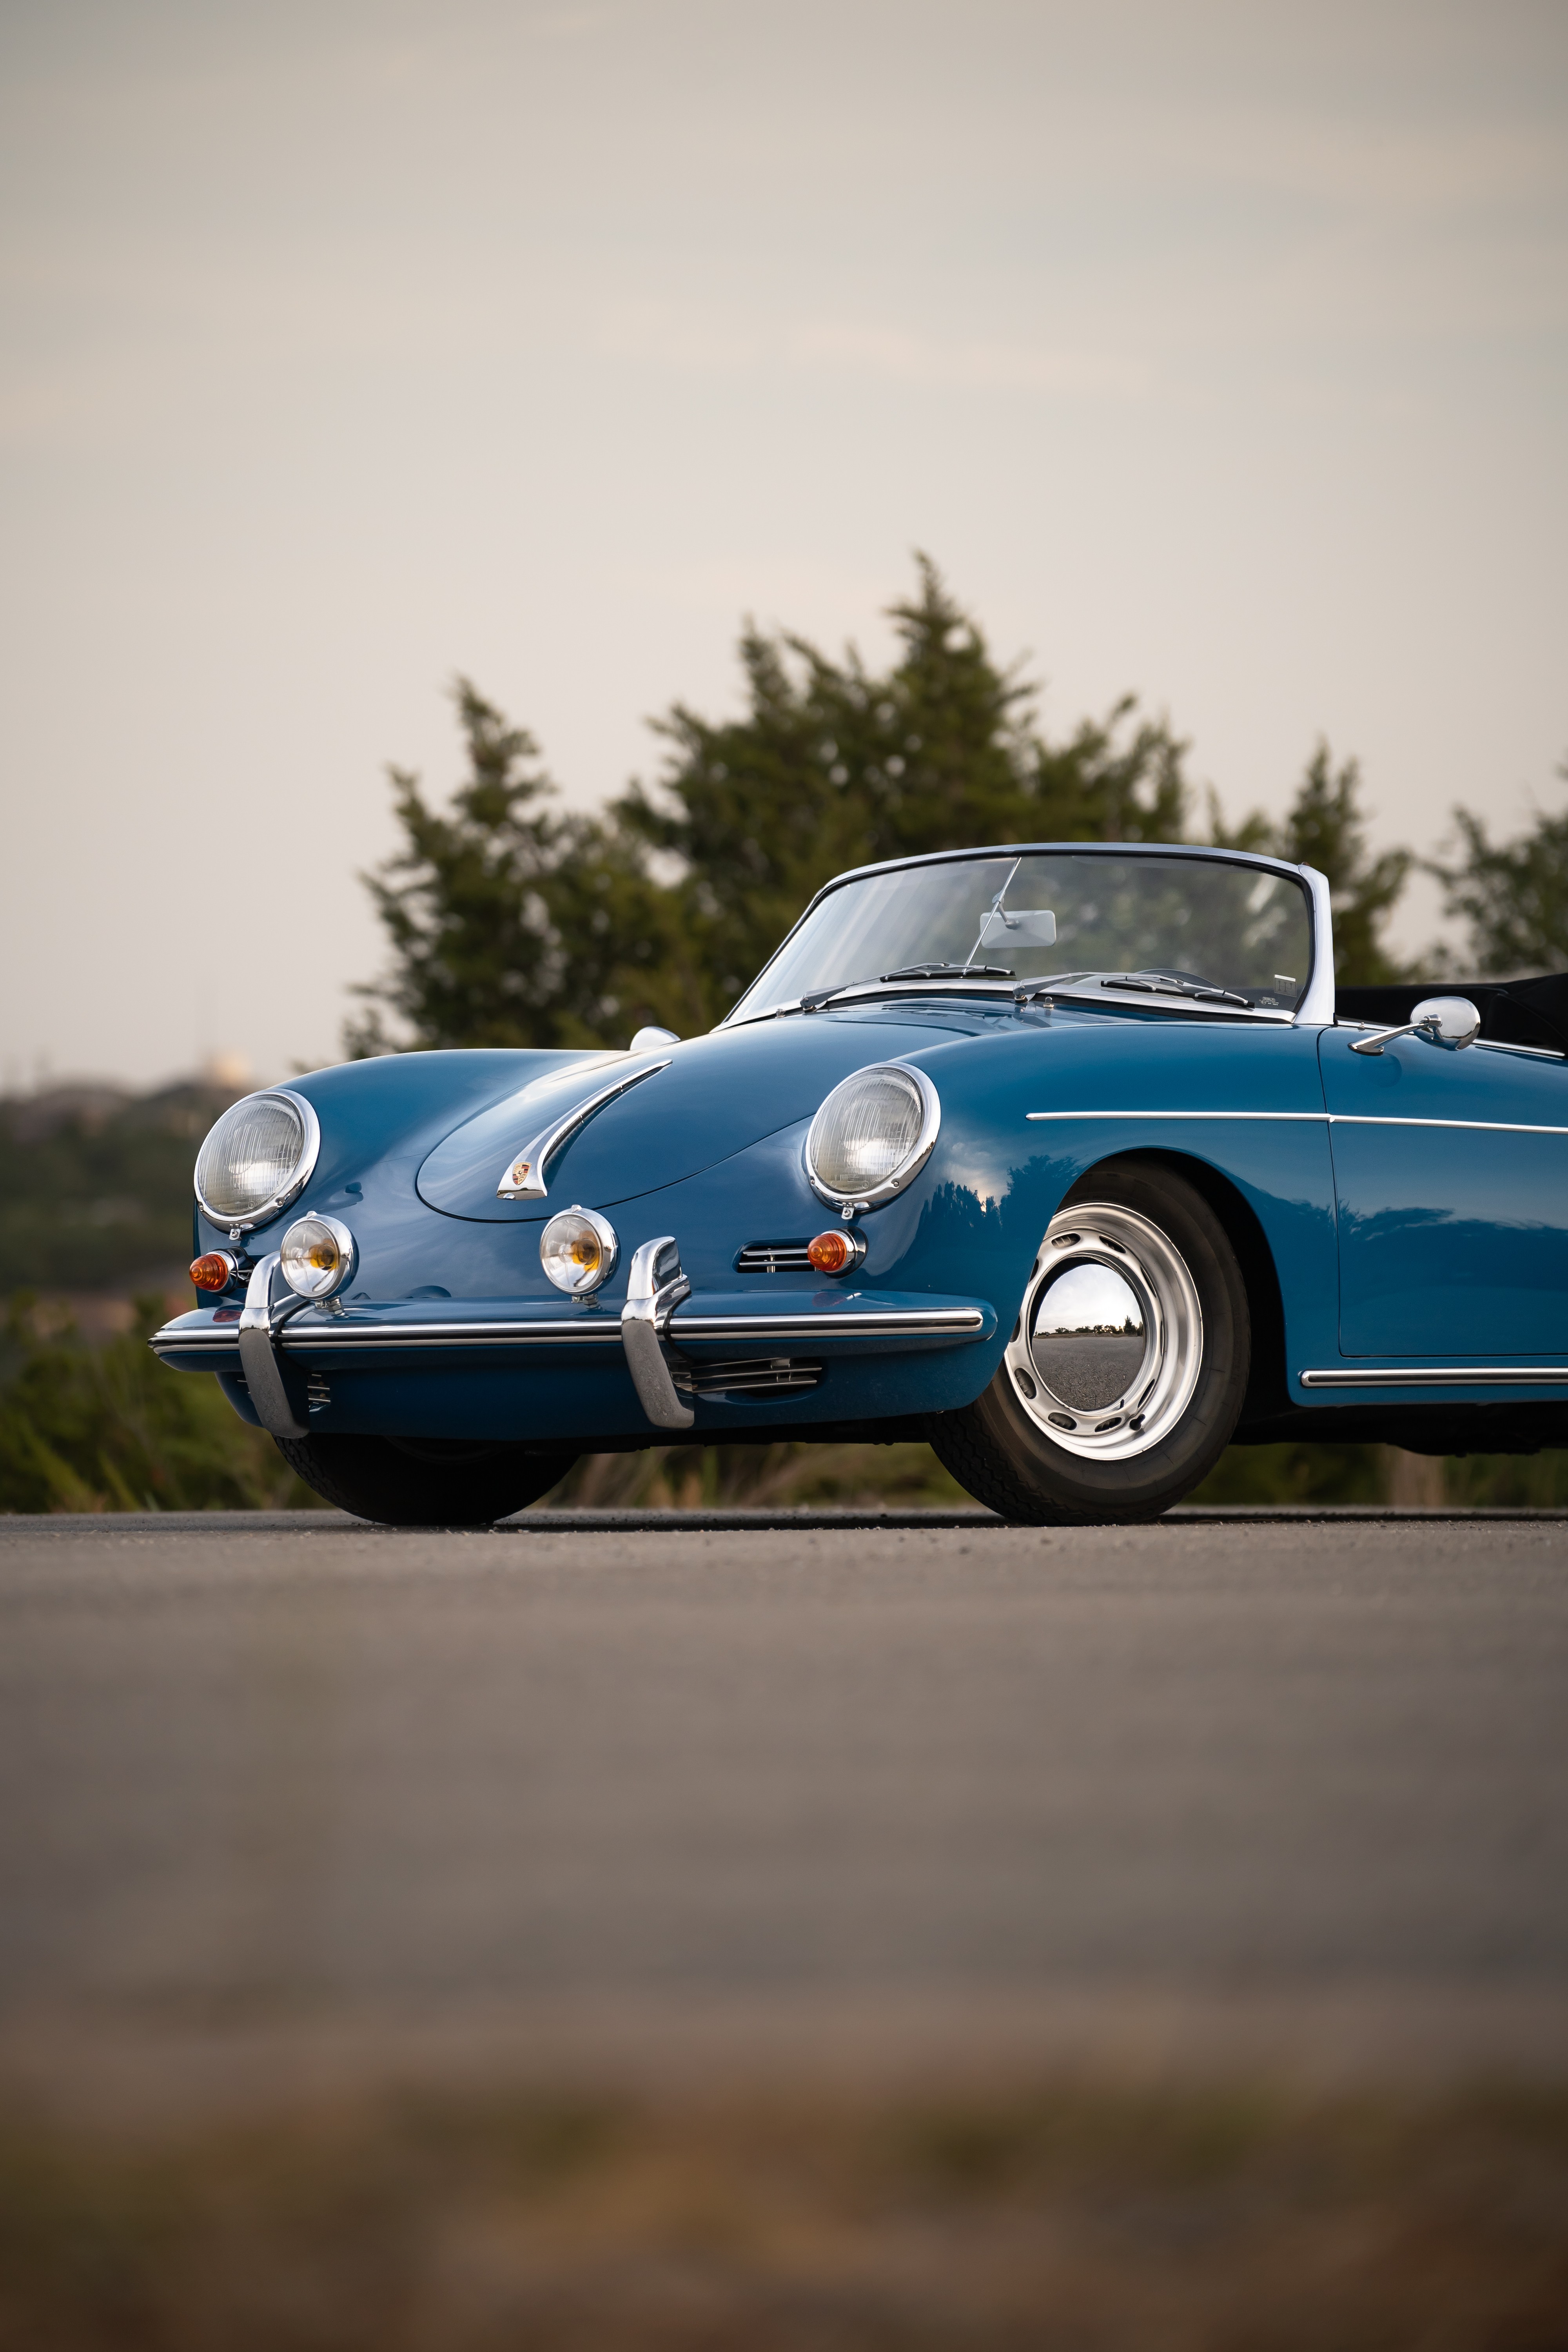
{"x": 1451, "y": 1185}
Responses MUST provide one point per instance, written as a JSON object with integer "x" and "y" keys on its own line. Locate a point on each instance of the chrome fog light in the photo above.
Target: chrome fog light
{"x": 578, "y": 1250}
{"x": 318, "y": 1256}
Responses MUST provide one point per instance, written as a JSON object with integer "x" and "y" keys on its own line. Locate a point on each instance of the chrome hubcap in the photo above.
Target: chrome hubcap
{"x": 1105, "y": 1355}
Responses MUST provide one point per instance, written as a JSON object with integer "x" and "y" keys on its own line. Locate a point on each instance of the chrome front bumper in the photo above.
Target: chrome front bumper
{"x": 659, "y": 1321}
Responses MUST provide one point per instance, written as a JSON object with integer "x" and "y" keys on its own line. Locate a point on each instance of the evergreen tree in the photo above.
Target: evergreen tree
{"x": 1513, "y": 895}
{"x": 1325, "y": 828}
{"x": 833, "y": 767}
{"x": 475, "y": 958}
{"x": 510, "y": 923}
{"x": 513, "y": 924}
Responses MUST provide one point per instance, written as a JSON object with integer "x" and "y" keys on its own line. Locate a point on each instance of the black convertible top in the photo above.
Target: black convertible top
{"x": 1513, "y": 1012}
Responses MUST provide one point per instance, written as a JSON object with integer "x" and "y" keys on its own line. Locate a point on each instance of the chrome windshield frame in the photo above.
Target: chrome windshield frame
{"x": 1314, "y": 1008}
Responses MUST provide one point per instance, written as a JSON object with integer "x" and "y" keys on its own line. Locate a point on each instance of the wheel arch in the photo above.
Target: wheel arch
{"x": 1266, "y": 1393}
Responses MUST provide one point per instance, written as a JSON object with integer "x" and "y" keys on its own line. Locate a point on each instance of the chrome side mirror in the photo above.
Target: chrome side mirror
{"x": 646, "y": 1039}
{"x": 1447, "y": 1020}
{"x": 1450, "y": 1021}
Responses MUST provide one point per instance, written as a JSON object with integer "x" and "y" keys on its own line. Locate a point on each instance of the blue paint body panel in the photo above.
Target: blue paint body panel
{"x": 1389, "y": 1243}
{"x": 719, "y": 1093}
{"x": 1453, "y": 1233}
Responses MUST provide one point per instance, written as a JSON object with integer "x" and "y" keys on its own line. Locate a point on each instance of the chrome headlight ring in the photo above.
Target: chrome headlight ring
{"x": 237, "y": 1221}
{"x": 926, "y": 1103}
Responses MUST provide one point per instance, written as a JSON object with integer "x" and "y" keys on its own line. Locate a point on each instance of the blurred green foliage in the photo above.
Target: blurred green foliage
{"x": 109, "y": 1429}
{"x": 1325, "y": 828}
{"x": 95, "y": 1184}
{"x": 1511, "y": 896}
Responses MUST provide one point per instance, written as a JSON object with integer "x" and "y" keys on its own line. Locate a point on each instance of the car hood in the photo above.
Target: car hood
{"x": 717, "y": 1095}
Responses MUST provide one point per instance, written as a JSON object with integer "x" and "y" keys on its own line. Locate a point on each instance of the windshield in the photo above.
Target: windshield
{"x": 1200, "y": 927}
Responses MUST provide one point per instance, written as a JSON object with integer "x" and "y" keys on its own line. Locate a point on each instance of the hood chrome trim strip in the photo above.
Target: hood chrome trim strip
{"x": 534, "y": 1157}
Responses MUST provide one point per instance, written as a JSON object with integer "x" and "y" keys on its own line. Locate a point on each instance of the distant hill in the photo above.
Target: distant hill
{"x": 95, "y": 1184}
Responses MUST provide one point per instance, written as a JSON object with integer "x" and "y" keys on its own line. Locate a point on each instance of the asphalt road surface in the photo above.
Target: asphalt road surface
{"x": 279, "y": 1778}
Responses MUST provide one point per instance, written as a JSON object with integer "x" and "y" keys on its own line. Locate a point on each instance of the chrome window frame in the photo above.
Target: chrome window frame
{"x": 1315, "y": 1007}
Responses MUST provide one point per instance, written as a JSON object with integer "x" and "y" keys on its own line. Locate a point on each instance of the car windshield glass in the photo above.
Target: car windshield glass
{"x": 1173, "y": 926}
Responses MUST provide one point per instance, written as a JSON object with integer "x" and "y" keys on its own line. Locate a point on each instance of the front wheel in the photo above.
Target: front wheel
{"x": 423, "y": 1482}
{"x": 1127, "y": 1366}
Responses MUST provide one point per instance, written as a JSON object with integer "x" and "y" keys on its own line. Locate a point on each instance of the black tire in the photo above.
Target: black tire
{"x": 997, "y": 1448}
{"x": 423, "y": 1482}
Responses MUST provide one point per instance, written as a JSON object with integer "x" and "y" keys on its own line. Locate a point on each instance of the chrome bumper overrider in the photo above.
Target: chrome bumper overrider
{"x": 660, "y": 1319}
{"x": 655, "y": 1287}
{"x": 258, "y": 1325}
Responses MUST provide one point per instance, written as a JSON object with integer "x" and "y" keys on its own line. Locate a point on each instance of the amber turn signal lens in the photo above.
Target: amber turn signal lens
{"x": 830, "y": 1253}
{"x": 214, "y": 1271}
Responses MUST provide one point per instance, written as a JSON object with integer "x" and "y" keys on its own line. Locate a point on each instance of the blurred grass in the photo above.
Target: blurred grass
{"x": 108, "y": 1428}
{"x": 1198, "y": 2220}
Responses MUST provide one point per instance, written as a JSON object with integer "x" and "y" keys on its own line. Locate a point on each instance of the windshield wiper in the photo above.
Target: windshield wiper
{"x": 1202, "y": 993}
{"x": 939, "y": 971}
{"x": 815, "y": 998}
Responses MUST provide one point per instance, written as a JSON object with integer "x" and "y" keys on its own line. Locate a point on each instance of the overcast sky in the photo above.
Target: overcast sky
{"x": 1215, "y": 352}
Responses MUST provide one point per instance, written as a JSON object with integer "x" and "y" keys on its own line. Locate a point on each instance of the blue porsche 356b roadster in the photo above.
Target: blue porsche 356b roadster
{"x": 1068, "y": 1158}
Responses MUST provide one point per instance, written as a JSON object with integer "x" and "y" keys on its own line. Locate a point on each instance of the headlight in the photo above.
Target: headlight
{"x": 578, "y": 1250}
{"x": 257, "y": 1159}
{"x": 872, "y": 1135}
{"x": 318, "y": 1256}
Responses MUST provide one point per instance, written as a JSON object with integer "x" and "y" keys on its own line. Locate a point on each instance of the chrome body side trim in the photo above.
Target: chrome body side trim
{"x": 1483, "y": 1126}
{"x": 1434, "y": 1376}
{"x": 523, "y": 1178}
{"x": 259, "y": 1357}
{"x": 655, "y": 1288}
{"x": 1325, "y": 1117}
{"x": 1320, "y": 1115}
